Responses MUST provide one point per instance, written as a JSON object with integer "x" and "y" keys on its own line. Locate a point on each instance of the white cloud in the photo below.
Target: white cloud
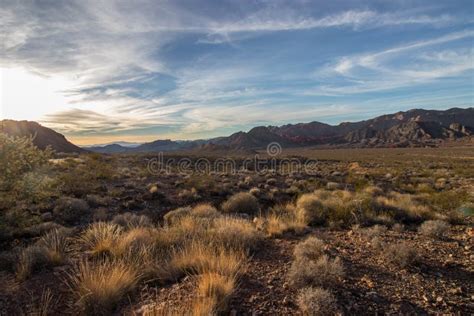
{"x": 396, "y": 67}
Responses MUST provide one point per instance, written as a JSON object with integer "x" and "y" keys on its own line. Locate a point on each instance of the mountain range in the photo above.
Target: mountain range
{"x": 42, "y": 136}
{"x": 413, "y": 128}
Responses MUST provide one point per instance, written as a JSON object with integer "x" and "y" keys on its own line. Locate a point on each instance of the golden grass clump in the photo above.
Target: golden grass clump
{"x": 175, "y": 216}
{"x": 44, "y": 306}
{"x": 338, "y": 206}
{"x": 216, "y": 289}
{"x": 51, "y": 250}
{"x": 242, "y": 202}
{"x": 205, "y": 210}
{"x": 404, "y": 206}
{"x": 56, "y": 246}
{"x": 282, "y": 219}
{"x": 133, "y": 240}
{"x": 311, "y": 208}
{"x": 234, "y": 233}
{"x": 101, "y": 285}
{"x": 197, "y": 258}
{"x": 100, "y": 238}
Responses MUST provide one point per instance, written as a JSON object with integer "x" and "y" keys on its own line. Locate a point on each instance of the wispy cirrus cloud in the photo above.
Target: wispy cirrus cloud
{"x": 396, "y": 67}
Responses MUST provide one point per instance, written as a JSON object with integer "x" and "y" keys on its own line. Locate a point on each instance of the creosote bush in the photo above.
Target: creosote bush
{"x": 312, "y": 249}
{"x": 70, "y": 210}
{"x": 339, "y": 206}
{"x": 312, "y": 209}
{"x": 19, "y": 156}
{"x": 173, "y": 217}
{"x": 401, "y": 254}
{"x": 32, "y": 259}
{"x": 404, "y": 207}
{"x": 434, "y": 228}
{"x": 242, "y": 202}
{"x": 324, "y": 272}
{"x": 130, "y": 220}
{"x": 374, "y": 231}
{"x": 316, "y": 301}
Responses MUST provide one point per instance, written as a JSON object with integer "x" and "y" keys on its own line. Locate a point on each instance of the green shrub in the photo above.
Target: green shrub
{"x": 17, "y": 157}
{"x": 71, "y": 210}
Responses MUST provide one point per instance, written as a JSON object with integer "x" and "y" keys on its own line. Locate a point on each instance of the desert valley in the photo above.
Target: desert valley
{"x": 335, "y": 227}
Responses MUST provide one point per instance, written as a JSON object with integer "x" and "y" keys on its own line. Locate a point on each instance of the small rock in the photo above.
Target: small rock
{"x": 47, "y": 217}
{"x": 456, "y": 291}
{"x": 252, "y": 298}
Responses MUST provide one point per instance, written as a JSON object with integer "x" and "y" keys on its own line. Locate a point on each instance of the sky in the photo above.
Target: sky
{"x": 101, "y": 71}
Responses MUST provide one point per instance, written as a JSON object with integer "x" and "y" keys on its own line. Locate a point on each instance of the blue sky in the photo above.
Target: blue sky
{"x": 141, "y": 70}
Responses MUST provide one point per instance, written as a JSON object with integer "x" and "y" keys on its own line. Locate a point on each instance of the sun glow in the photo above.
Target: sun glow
{"x": 28, "y": 96}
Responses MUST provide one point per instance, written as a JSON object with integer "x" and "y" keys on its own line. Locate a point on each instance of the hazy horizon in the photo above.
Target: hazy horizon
{"x": 109, "y": 71}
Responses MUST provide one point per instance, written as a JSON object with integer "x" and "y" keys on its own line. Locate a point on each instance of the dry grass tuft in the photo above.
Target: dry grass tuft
{"x": 282, "y": 219}
{"x": 175, "y": 216}
{"x": 44, "y": 306}
{"x": 32, "y": 259}
{"x": 205, "y": 210}
{"x": 100, "y": 238}
{"x": 234, "y": 233}
{"x": 56, "y": 246}
{"x": 374, "y": 231}
{"x": 197, "y": 258}
{"x": 100, "y": 286}
{"x": 133, "y": 241}
{"x": 338, "y": 206}
{"x": 216, "y": 288}
{"x": 311, "y": 208}
{"x": 405, "y": 207}
{"x": 242, "y": 202}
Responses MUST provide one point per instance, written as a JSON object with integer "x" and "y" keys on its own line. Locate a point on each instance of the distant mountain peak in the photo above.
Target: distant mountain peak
{"x": 42, "y": 136}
